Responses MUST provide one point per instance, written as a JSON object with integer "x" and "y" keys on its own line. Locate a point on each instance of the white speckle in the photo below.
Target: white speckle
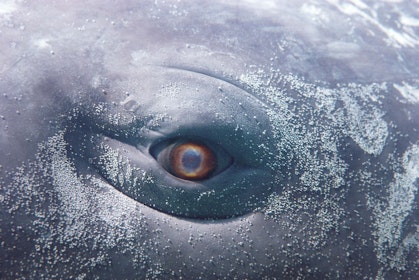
{"x": 42, "y": 43}
{"x": 391, "y": 214}
{"x": 139, "y": 56}
{"x": 316, "y": 13}
{"x": 409, "y": 92}
{"x": 410, "y": 21}
{"x": 405, "y": 37}
{"x": 7, "y": 7}
{"x": 342, "y": 49}
{"x": 365, "y": 124}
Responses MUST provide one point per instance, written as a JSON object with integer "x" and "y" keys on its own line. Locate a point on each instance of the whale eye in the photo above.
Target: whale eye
{"x": 191, "y": 160}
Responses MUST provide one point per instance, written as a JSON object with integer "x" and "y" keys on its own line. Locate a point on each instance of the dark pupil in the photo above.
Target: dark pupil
{"x": 191, "y": 160}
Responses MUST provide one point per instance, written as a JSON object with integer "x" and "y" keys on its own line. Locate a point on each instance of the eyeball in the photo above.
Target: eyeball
{"x": 191, "y": 160}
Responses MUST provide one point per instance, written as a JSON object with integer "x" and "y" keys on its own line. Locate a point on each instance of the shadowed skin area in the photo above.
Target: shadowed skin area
{"x": 309, "y": 110}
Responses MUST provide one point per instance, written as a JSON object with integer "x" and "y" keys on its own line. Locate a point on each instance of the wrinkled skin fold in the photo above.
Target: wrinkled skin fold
{"x": 311, "y": 110}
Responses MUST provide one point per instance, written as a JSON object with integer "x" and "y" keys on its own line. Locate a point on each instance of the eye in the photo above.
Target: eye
{"x": 200, "y": 173}
{"x": 191, "y": 159}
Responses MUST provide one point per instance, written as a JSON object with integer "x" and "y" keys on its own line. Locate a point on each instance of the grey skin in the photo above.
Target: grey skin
{"x": 311, "y": 108}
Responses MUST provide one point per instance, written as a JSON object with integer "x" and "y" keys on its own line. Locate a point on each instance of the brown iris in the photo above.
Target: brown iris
{"x": 192, "y": 161}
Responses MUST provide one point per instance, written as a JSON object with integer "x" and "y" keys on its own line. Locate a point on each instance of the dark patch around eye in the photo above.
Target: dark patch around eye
{"x": 214, "y": 181}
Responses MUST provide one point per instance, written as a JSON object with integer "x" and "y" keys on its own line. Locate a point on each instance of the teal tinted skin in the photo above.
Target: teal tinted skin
{"x": 309, "y": 110}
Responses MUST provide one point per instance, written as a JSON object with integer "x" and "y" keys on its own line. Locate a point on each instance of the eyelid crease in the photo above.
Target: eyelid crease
{"x": 246, "y": 89}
